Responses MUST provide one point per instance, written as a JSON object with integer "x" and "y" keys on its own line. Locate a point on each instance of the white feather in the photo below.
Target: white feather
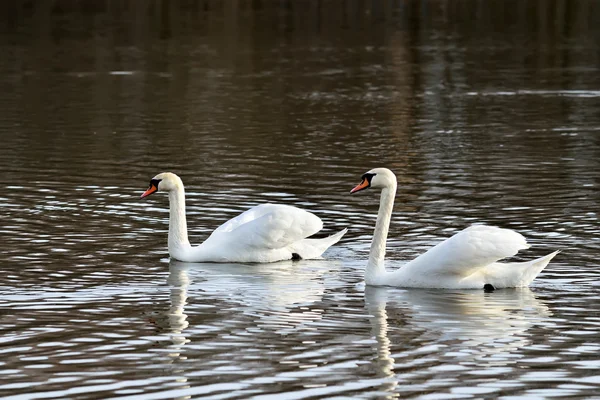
{"x": 467, "y": 260}
{"x": 265, "y": 233}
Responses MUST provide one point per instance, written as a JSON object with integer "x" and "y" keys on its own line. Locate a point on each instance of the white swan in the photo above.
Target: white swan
{"x": 265, "y": 233}
{"x": 467, "y": 260}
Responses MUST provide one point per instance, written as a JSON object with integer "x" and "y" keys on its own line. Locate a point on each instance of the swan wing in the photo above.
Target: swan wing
{"x": 467, "y": 251}
{"x": 267, "y": 226}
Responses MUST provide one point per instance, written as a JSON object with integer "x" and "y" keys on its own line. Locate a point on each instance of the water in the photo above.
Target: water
{"x": 486, "y": 111}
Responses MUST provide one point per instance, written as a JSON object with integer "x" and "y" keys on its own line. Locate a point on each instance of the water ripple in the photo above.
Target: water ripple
{"x": 479, "y": 127}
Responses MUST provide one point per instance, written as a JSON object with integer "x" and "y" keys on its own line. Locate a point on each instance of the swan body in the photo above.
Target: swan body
{"x": 467, "y": 260}
{"x": 262, "y": 234}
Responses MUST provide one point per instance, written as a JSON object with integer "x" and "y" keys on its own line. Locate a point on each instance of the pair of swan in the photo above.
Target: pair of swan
{"x": 271, "y": 232}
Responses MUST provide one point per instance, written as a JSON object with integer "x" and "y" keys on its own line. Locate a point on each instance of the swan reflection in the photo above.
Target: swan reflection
{"x": 375, "y": 301}
{"x": 275, "y": 295}
{"x": 179, "y": 282}
{"x": 274, "y": 286}
{"x": 174, "y": 321}
{"x": 278, "y": 297}
{"x": 467, "y": 324}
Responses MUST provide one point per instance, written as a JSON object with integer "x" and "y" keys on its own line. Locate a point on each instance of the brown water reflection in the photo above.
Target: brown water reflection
{"x": 486, "y": 111}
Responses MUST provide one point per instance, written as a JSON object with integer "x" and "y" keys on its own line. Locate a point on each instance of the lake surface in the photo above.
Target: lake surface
{"x": 487, "y": 111}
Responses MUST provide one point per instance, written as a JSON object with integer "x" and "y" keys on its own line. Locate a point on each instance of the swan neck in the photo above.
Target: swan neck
{"x": 178, "y": 237}
{"x": 375, "y": 267}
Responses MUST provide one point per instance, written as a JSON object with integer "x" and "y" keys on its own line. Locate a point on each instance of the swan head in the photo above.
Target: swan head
{"x": 379, "y": 178}
{"x": 165, "y": 181}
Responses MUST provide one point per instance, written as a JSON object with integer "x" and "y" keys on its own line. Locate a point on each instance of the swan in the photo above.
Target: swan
{"x": 467, "y": 260}
{"x": 262, "y": 234}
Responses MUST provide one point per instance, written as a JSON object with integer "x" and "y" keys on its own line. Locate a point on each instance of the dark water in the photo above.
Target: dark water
{"x": 486, "y": 110}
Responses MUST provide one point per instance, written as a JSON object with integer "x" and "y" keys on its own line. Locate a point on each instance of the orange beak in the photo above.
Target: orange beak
{"x": 148, "y": 192}
{"x": 363, "y": 185}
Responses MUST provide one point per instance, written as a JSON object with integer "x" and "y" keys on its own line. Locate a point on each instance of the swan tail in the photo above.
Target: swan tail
{"x": 518, "y": 274}
{"x": 536, "y": 266}
{"x": 313, "y": 248}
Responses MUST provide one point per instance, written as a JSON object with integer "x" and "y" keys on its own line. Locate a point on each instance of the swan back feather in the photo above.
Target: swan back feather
{"x": 467, "y": 251}
{"x": 270, "y": 226}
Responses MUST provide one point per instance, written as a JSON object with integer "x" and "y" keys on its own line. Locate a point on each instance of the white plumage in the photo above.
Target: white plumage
{"x": 467, "y": 260}
{"x": 265, "y": 233}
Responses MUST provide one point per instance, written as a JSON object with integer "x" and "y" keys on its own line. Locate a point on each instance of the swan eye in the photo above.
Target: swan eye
{"x": 155, "y": 182}
{"x": 152, "y": 188}
{"x": 365, "y": 182}
{"x": 368, "y": 176}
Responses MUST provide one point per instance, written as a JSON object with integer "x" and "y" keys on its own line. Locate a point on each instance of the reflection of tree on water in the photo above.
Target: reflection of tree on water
{"x": 469, "y": 325}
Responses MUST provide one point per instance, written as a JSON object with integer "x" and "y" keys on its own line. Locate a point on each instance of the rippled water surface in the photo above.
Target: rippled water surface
{"x": 486, "y": 110}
